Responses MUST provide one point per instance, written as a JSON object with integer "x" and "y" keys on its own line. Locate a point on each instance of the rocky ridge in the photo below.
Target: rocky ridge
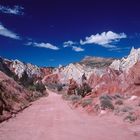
{"x": 126, "y": 63}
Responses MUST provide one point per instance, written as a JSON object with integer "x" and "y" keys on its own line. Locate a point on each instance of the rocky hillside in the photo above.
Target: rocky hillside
{"x": 13, "y": 97}
{"x": 126, "y": 63}
{"x": 4, "y": 68}
{"x": 114, "y": 88}
{"x": 86, "y": 67}
{"x": 20, "y": 84}
{"x": 19, "y": 69}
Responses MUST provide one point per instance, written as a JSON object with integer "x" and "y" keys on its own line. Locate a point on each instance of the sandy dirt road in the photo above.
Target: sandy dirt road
{"x": 51, "y": 118}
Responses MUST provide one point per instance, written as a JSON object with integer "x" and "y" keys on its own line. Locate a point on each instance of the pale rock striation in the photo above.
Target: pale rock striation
{"x": 19, "y": 68}
{"x": 75, "y": 72}
{"x": 126, "y": 63}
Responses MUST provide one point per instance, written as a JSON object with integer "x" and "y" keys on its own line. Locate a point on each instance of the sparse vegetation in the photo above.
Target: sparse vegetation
{"x": 74, "y": 98}
{"x": 55, "y": 86}
{"x": 26, "y": 81}
{"x": 117, "y": 96}
{"x": 83, "y": 90}
{"x": 106, "y": 103}
{"x": 40, "y": 87}
{"x": 119, "y": 102}
{"x": 86, "y": 102}
{"x": 130, "y": 118}
{"x": 126, "y": 109}
{"x": 105, "y": 97}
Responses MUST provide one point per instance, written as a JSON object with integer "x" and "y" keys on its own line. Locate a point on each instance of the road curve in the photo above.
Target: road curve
{"x": 51, "y": 118}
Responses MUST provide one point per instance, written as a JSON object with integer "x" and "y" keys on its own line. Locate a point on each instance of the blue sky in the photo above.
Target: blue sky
{"x": 52, "y": 32}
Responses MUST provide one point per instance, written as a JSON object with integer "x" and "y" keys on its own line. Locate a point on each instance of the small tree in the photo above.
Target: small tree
{"x": 40, "y": 87}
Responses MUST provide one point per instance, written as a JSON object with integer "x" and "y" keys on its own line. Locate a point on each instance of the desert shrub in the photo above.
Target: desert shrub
{"x": 65, "y": 96}
{"x": 83, "y": 90}
{"x": 55, "y": 86}
{"x": 119, "y": 102}
{"x": 32, "y": 88}
{"x": 40, "y": 87}
{"x": 105, "y": 97}
{"x": 59, "y": 87}
{"x": 1, "y": 107}
{"x": 97, "y": 107}
{"x": 79, "y": 91}
{"x": 106, "y": 102}
{"x": 51, "y": 85}
{"x": 37, "y": 87}
{"x": 86, "y": 102}
{"x": 75, "y": 97}
{"x": 36, "y": 95}
{"x": 117, "y": 96}
{"x": 126, "y": 109}
{"x": 26, "y": 81}
{"x": 130, "y": 118}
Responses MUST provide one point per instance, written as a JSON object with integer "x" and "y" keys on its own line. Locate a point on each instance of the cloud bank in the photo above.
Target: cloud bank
{"x": 43, "y": 45}
{"x": 7, "y": 33}
{"x": 104, "y": 39}
{"x": 16, "y": 10}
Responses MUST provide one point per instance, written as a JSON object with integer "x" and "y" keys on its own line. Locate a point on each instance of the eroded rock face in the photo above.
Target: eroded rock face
{"x": 19, "y": 68}
{"x": 85, "y": 67}
{"x": 13, "y": 97}
{"x": 24, "y": 72}
{"x": 50, "y": 79}
{"x": 126, "y": 63}
{"x": 75, "y": 72}
{"x": 4, "y": 68}
{"x": 125, "y": 81}
{"x": 106, "y": 83}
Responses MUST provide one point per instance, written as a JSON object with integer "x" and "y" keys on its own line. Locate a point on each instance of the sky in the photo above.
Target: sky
{"x": 53, "y": 32}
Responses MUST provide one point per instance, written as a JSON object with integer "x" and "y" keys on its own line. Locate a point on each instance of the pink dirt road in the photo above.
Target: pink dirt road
{"x": 51, "y": 118}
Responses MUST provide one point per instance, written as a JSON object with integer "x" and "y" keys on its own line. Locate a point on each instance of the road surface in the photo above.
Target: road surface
{"x": 51, "y": 118}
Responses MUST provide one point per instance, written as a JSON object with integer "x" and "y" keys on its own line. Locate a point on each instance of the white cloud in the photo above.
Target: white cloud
{"x": 73, "y": 46}
{"x": 42, "y": 45}
{"x": 68, "y": 44}
{"x": 7, "y": 33}
{"x": 104, "y": 39}
{"x": 119, "y": 49}
{"x": 77, "y": 49}
{"x": 16, "y": 10}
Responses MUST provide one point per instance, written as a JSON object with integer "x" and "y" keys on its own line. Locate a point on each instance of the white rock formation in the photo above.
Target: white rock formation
{"x": 74, "y": 71}
{"x": 126, "y": 63}
{"x": 19, "y": 68}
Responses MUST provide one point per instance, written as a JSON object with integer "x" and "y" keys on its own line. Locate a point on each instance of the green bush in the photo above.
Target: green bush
{"x": 105, "y": 97}
{"x": 59, "y": 87}
{"x": 40, "y": 87}
{"x": 130, "y": 118}
{"x": 126, "y": 109}
{"x": 106, "y": 102}
{"x": 74, "y": 98}
{"x": 83, "y": 90}
{"x": 26, "y": 81}
{"x": 86, "y": 102}
{"x": 32, "y": 88}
